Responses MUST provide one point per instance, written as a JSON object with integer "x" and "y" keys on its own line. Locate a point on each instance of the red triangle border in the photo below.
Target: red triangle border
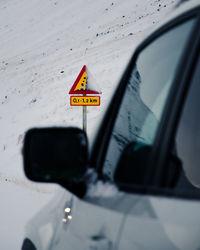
{"x": 72, "y": 90}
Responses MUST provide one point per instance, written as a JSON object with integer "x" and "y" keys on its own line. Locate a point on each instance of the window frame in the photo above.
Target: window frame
{"x": 160, "y": 151}
{"x": 164, "y": 142}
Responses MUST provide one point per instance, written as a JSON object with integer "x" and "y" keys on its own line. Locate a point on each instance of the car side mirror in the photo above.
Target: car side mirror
{"x": 57, "y": 155}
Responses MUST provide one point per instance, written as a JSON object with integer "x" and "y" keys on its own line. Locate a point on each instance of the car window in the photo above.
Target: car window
{"x": 188, "y": 135}
{"x": 145, "y": 96}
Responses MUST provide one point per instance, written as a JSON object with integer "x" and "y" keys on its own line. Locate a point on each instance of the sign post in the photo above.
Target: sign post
{"x": 85, "y": 118}
{"x": 81, "y": 87}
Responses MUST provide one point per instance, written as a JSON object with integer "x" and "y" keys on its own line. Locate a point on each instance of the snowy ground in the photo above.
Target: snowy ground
{"x": 43, "y": 46}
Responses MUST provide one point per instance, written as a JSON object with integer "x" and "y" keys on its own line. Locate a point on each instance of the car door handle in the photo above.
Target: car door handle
{"x": 99, "y": 243}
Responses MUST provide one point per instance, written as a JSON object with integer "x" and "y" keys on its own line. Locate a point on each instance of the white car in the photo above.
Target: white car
{"x": 139, "y": 186}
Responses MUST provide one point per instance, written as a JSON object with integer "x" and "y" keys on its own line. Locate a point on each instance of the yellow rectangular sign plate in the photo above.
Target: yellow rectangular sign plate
{"x": 85, "y": 100}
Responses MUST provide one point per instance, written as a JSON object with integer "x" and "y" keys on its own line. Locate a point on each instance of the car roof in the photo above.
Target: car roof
{"x": 183, "y": 6}
{"x": 184, "y": 1}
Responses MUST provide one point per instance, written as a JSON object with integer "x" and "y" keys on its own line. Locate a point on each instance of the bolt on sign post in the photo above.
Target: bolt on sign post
{"x": 82, "y": 93}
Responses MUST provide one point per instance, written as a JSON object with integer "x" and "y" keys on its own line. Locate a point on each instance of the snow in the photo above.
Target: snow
{"x": 102, "y": 189}
{"x": 97, "y": 188}
{"x": 43, "y": 46}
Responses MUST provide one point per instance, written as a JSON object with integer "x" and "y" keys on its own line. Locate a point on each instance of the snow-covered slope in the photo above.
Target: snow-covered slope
{"x": 43, "y": 46}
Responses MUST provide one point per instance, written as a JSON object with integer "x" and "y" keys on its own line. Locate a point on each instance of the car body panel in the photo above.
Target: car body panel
{"x": 91, "y": 227}
{"x": 157, "y": 223}
{"x": 119, "y": 221}
{"x": 41, "y": 229}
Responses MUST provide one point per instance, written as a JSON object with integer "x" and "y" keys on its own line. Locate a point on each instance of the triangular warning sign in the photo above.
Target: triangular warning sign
{"x": 81, "y": 85}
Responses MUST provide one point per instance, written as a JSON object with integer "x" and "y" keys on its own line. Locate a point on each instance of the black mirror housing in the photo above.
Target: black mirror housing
{"x": 56, "y": 155}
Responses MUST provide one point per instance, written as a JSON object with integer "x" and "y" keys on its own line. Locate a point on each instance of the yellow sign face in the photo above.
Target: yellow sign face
{"x": 85, "y": 100}
{"x": 81, "y": 85}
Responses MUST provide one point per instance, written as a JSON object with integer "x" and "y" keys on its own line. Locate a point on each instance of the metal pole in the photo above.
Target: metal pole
{"x": 85, "y": 117}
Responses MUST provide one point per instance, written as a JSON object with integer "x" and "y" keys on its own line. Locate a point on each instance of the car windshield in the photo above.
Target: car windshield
{"x": 146, "y": 94}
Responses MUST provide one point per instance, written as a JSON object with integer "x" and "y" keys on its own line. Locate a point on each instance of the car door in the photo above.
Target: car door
{"x": 141, "y": 214}
{"x": 156, "y": 170}
{"x": 91, "y": 223}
